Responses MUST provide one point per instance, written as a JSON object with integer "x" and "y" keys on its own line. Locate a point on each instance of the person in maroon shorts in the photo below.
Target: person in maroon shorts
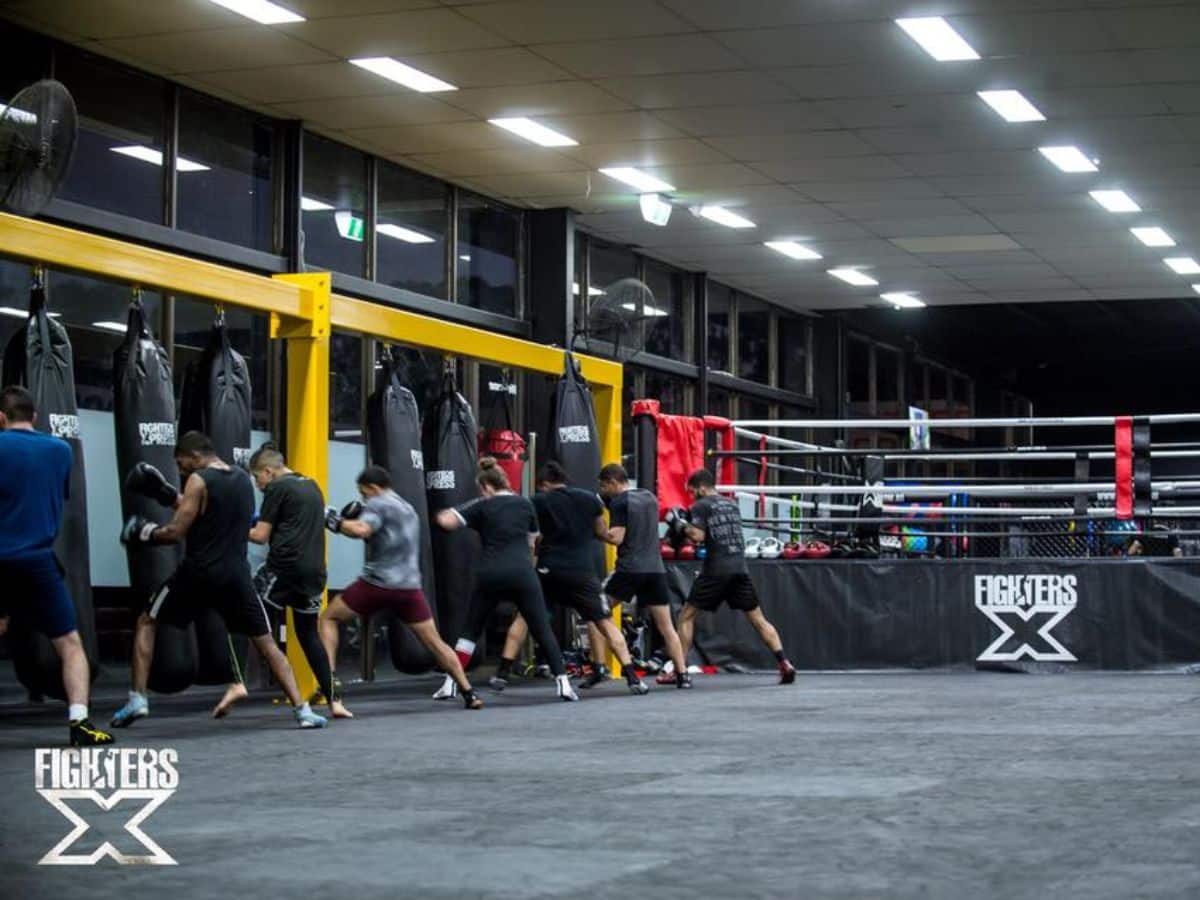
{"x": 391, "y": 577}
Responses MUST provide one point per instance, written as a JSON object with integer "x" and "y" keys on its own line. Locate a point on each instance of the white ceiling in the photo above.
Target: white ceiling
{"x": 820, "y": 120}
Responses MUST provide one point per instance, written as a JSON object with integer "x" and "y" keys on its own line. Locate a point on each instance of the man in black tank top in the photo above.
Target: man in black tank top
{"x": 213, "y": 514}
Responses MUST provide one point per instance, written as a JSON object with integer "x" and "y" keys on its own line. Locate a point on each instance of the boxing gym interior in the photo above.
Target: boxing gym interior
{"x": 872, "y": 323}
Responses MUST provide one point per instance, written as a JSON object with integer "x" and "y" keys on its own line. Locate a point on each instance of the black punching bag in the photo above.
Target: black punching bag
{"x": 450, "y": 464}
{"x": 39, "y": 358}
{"x": 216, "y": 401}
{"x": 394, "y": 440}
{"x": 574, "y": 439}
{"x": 144, "y": 418}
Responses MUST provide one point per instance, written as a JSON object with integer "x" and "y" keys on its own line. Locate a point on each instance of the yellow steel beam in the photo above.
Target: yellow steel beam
{"x": 67, "y": 248}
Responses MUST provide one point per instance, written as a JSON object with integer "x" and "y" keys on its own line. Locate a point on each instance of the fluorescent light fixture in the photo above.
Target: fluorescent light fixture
{"x": 532, "y": 131}
{"x": 792, "y": 249}
{"x": 468, "y": 259}
{"x": 1153, "y": 237}
{"x": 155, "y": 157}
{"x": 21, "y": 313}
{"x": 348, "y": 225}
{"x": 646, "y": 310}
{"x": 404, "y": 234}
{"x": 1196, "y": 288}
{"x": 1115, "y": 201}
{"x": 723, "y": 216}
{"x": 261, "y": 11}
{"x": 394, "y": 70}
{"x": 1012, "y": 106}
{"x": 1183, "y": 265}
{"x": 308, "y": 204}
{"x": 1068, "y": 159}
{"x": 638, "y": 179}
{"x": 853, "y": 276}
{"x": 16, "y": 114}
{"x": 592, "y": 291}
{"x": 903, "y": 300}
{"x": 938, "y": 39}
{"x": 119, "y": 327}
{"x": 655, "y": 209}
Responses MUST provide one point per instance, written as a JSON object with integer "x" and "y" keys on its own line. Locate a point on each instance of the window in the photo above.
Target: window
{"x": 720, "y": 403}
{"x": 231, "y": 197}
{"x": 887, "y": 382}
{"x": 673, "y": 393}
{"x": 792, "y": 353}
{"x": 26, "y": 60}
{"x": 118, "y": 158}
{"x": 335, "y": 194}
{"x": 607, "y": 264}
{"x": 720, "y": 303}
{"x": 577, "y": 294}
{"x": 858, "y": 375}
{"x": 346, "y": 388}
{"x": 410, "y": 242}
{"x": 247, "y": 335}
{"x": 666, "y": 332}
{"x": 631, "y": 389}
{"x": 753, "y": 339}
{"x": 490, "y": 236}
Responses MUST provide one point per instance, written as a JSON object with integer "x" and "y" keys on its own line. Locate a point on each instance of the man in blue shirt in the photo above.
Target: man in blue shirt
{"x": 35, "y": 472}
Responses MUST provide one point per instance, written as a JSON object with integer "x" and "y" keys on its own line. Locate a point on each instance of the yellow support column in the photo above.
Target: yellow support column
{"x": 607, "y": 400}
{"x": 307, "y": 408}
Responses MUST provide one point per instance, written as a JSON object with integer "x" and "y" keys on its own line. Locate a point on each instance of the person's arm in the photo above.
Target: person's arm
{"x": 450, "y": 520}
{"x": 360, "y": 528}
{"x": 614, "y": 532}
{"x": 614, "y": 536}
{"x": 186, "y": 510}
{"x": 260, "y": 532}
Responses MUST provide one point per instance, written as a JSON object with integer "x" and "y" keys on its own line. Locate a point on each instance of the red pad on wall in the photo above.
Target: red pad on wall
{"x": 680, "y": 453}
{"x": 1123, "y": 446}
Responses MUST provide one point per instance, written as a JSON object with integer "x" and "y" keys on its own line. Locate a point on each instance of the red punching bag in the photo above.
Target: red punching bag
{"x": 498, "y": 438}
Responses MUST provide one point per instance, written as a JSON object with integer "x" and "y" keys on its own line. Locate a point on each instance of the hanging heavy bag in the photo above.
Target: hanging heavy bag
{"x": 216, "y": 401}
{"x": 497, "y": 437}
{"x": 574, "y": 439}
{"x": 144, "y": 419}
{"x": 394, "y": 441}
{"x": 38, "y": 357}
{"x": 450, "y": 463}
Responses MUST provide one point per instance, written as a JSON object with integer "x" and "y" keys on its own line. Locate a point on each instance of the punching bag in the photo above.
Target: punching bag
{"x": 574, "y": 439}
{"x": 498, "y": 438}
{"x": 144, "y": 418}
{"x": 38, "y": 357}
{"x": 394, "y": 441}
{"x": 216, "y": 402}
{"x": 450, "y": 464}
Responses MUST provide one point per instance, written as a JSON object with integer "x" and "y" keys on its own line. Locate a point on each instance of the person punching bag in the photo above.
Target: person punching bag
{"x": 574, "y": 439}
{"x": 450, "y": 460}
{"x": 216, "y": 402}
{"x": 394, "y": 441}
{"x": 38, "y": 357}
{"x": 497, "y": 437}
{"x": 144, "y": 418}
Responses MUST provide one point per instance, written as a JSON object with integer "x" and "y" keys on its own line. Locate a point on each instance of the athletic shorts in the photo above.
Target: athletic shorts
{"x": 710, "y": 591}
{"x": 579, "y": 591}
{"x": 278, "y": 595}
{"x": 409, "y": 604}
{"x": 36, "y": 595}
{"x": 231, "y": 596}
{"x": 650, "y": 588}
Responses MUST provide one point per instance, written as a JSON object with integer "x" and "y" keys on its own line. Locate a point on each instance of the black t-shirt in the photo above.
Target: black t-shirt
{"x": 1157, "y": 541}
{"x": 295, "y": 510}
{"x": 217, "y": 541}
{"x": 724, "y": 544}
{"x": 504, "y": 523}
{"x": 637, "y": 512}
{"x": 567, "y": 517}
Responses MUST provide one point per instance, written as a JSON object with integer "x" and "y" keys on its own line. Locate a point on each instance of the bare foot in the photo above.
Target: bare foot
{"x": 233, "y": 694}
{"x": 339, "y": 711}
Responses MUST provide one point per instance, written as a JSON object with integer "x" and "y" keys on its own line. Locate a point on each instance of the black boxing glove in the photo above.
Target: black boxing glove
{"x": 138, "y": 530}
{"x": 146, "y": 480}
{"x": 677, "y": 523}
{"x": 333, "y": 520}
{"x": 352, "y": 510}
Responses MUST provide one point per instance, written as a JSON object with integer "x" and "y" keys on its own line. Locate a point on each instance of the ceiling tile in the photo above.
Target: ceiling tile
{"x": 656, "y": 55}
{"x": 225, "y": 48}
{"x": 663, "y": 91}
{"x": 866, "y": 191}
{"x": 900, "y": 208}
{"x": 931, "y": 226}
{"x": 535, "y": 100}
{"x": 1143, "y": 27}
{"x": 95, "y": 20}
{"x": 508, "y": 161}
{"x": 805, "y": 145}
{"x": 435, "y": 138}
{"x": 363, "y": 112}
{"x": 646, "y": 154}
{"x": 747, "y": 118}
{"x": 826, "y": 44}
{"x": 721, "y": 15}
{"x": 315, "y": 81}
{"x": 395, "y": 34}
{"x": 488, "y": 67}
{"x": 1005, "y": 33}
{"x": 545, "y": 21}
{"x": 319, "y": 9}
{"x": 536, "y": 184}
{"x": 853, "y": 167}
{"x": 615, "y": 127}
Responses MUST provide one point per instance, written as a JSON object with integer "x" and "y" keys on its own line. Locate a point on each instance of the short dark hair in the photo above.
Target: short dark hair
{"x": 195, "y": 442}
{"x": 614, "y": 472}
{"x": 376, "y": 476}
{"x": 701, "y": 478}
{"x": 17, "y": 404}
{"x": 268, "y": 456}
{"x": 552, "y": 472}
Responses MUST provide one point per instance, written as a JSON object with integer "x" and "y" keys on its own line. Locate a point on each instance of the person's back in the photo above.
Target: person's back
{"x": 504, "y": 522}
{"x": 35, "y": 471}
{"x": 567, "y": 519}
{"x": 636, "y": 510}
{"x": 218, "y": 539}
{"x": 394, "y": 547}
{"x": 724, "y": 543}
{"x": 294, "y": 506}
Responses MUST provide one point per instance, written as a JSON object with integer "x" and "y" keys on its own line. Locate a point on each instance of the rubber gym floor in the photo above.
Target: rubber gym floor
{"x": 929, "y": 785}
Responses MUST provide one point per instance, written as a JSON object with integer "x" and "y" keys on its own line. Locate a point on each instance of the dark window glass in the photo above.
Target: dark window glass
{"x": 887, "y": 379}
{"x": 665, "y": 332}
{"x": 410, "y": 245}
{"x": 345, "y": 388}
{"x": 577, "y": 295}
{"x": 334, "y": 206}
{"x": 499, "y": 398}
{"x": 791, "y": 347}
{"x": 858, "y": 371}
{"x": 962, "y": 395}
{"x": 720, "y": 300}
{"x": 607, "y": 264}
{"x": 719, "y": 403}
{"x": 224, "y": 173}
{"x": 673, "y": 393}
{"x": 248, "y": 335}
{"x": 749, "y": 408}
{"x": 754, "y": 329}
{"x": 118, "y": 157}
{"x": 490, "y": 235}
{"x": 630, "y": 390}
{"x": 26, "y": 60}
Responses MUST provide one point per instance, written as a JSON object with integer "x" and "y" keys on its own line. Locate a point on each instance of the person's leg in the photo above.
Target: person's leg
{"x": 529, "y": 601}
{"x": 166, "y": 600}
{"x": 514, "y": 639}
{"x": 616, "y": 640}
{"x": 76, "y": 676}
{"x": 143, "y": 652}
{"x": 483, "y": 603}
{"x": 304, "y": 626}
{"x": 447, "y": 660}
{"x": 673, "y": 641}
{"x": 600, "y": 642}
{"x": 770, "y": 637}
{"x": 327, "y": 633}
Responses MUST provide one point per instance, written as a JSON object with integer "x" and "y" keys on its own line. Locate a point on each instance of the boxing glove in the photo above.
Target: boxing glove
{"x": 668, "y": 551}
{"x": 146, "y": 480}
{"x": 138, "y": 530}
{"x": 687, "y": 551}
{"x": 677, "y": 523}
{"x": 352, "y": 510}
{"x": 333, "y": 520}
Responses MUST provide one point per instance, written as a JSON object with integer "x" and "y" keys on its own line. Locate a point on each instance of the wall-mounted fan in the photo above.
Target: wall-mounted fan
{"x": 619, "y": 319}
{"x": 37, "y": 139}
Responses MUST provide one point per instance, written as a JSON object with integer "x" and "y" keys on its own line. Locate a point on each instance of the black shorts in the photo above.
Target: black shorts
{"x": 231, "y": 596}
{"x": 278, "y": 594}
{"x": 579, "y": 591}
{"x": 710, "y": 591}
{"x": 650, "y": 588}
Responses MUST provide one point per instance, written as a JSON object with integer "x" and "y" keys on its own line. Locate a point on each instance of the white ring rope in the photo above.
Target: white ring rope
{"x": 1020, "y": 422}
{"x": 978, "y": 490}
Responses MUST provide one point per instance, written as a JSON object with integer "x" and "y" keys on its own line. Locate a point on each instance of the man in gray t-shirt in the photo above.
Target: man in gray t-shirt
{"x": 394, "y": 547}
